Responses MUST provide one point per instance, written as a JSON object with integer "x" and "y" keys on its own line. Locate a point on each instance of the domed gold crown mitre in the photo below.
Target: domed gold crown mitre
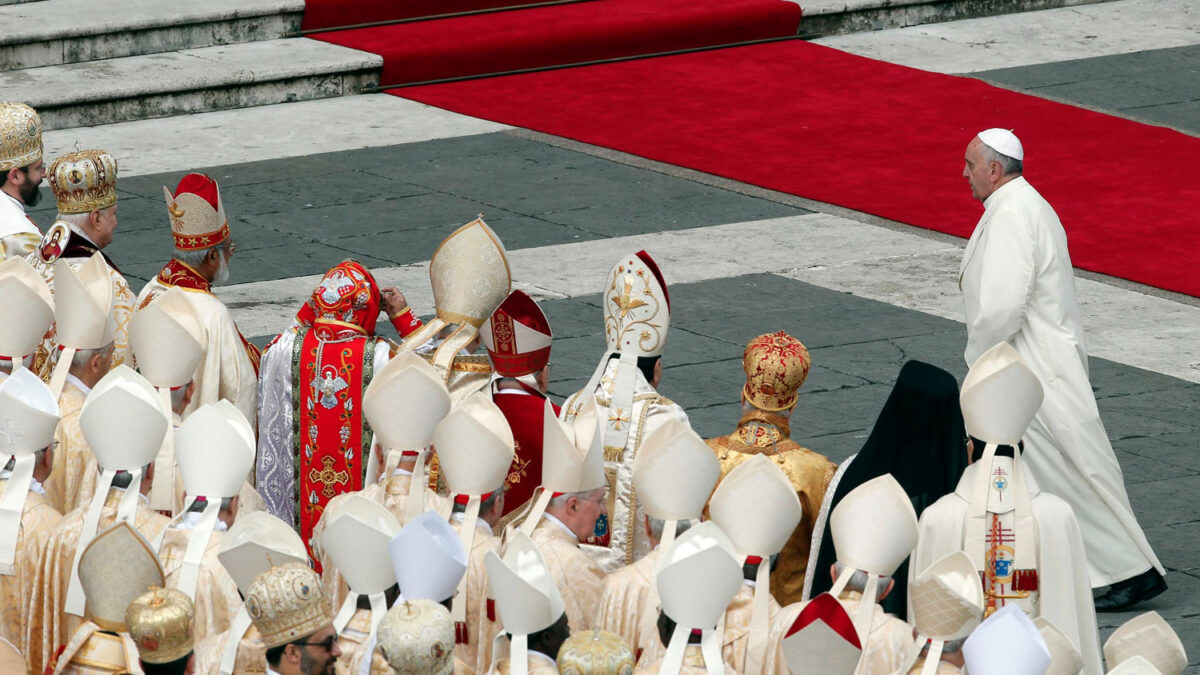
{"x": 20, "y": 136}
{"x": 286, "y": 603}
{"x": 84, "y": 181}
{"x": 595, "y": 652}
{"x": 160, "y": 623}
{"x": 776, "y": 366}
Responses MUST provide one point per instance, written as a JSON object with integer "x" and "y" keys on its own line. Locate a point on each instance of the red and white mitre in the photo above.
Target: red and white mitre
{"x": 822, "y": 640}
{"x": 517, "y": 336}
{"x": 197, "y": 215}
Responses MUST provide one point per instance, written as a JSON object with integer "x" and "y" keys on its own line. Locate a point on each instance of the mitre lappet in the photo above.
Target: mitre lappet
{"x": 475, "y": 447}
{"x": 409, "y": 383}
{"x": 356, "y": 541}
{"x": 29, "y": 311}
{"x": 572, "y": 459}
{"x": 947, "y": 604}
{"x": 874, "y": 529}
{"x": 822, "y": 640}
{"x": 469, "y": 277}
{"x": 255, "y": 543}
{"x": 168, "y": 342}
{"x": 215, "y": 455}
{"x": 697, "y": 579}
{"x": 1064, "y": 658}
{"x": 1146, "y": 636}
{"x": 28, "y": 418}
{"x": 160, "y": 624}
{"x": 1006, "y": 643}
{"x": 114, "y": 568}
{"x": 757, "y": 507}
{"x": 83, "y": 312}
{"x": 124, "y": 425}
{"x": 527, "y": 600}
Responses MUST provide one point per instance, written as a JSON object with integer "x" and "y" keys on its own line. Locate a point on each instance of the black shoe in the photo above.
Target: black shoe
{"x": 1125, "y": 594}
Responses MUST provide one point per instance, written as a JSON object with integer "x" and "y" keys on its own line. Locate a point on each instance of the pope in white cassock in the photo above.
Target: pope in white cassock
{"x": 1018, "y": 287}
{"x": 1025, "y": 541}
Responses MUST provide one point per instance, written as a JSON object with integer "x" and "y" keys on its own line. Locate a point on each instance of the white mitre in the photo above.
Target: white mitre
{"x": 356, "y": 540}
{"x": 674, "y": 474}
{"x": 1007, "y": 643}
{"x": 28, "y": 417}
{"x": 527, "y": 598}
{"x": 1150, "y": 637}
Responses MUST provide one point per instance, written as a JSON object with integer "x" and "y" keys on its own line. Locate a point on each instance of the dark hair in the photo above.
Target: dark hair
{"x": 644, "y": 363}
{"x": 666, "y": 628}
{"x": 199, "y": 505}
{"x": 389, "y": 597}
{"x": 4, "y": 175}
{"x": 550, "y": 639}
{"x": 122, "y": 479}
{"x": 750, "y": 570}
{"x": 176, "y": 667}
{"x": 485, "y": 505}
{"x": 274, "y": 654}
{"x": 977, "y": 447}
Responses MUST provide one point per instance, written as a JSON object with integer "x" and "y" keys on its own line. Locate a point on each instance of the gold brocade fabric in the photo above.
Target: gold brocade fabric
{"x": 737, "y": 630}
{"x": 38, "y": 520}
{"x": 92, "y": 652}
{"x": 353, "y": 639}
{"x": 625, "y": 604}
{"x": 578, "y": 577}
{"x": 73, "y": 472}
{"x": 809, "y": 472}
{"x": 538, "y": 665}
{"x": 217, "y": 600}
{"x": 943, "y": 668}
{"x": 888, "y": 647}
{"x": 49, "y": 625}
{"x": 476, "y": 655}
{"x": 693, "y": 664}
{"x": 18, "y": 245}
{"x": 46, "y": 355}
{"x": 394, "y": 497}
{"x": 251, "y": 654}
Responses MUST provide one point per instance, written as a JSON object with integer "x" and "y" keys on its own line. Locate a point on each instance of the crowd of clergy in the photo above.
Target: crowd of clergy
{"x": 177, "y": 501}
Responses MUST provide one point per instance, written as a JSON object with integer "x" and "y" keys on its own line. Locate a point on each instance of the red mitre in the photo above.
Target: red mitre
{"x": 517, "y": 336}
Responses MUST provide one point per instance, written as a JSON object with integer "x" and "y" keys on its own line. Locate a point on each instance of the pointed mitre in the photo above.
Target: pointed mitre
{"x": 637, "y": 307}
{"x": 947, "y": 600}
{"x": 215, "y": 450}
{"x": 572, "y": 459}
{"x": 517, "y": 336}
{"x": 874, "y": 527}
{"x": 427, "y": 558}
{"x": 1149, "y": 636}
{"x": 28, "y": 305}
{"x": 1137, "y": 665}
{"x": 83, "y": 304}
{"x": 356, "y": 541}
{"x": 822, "y": 640}
{"x": 122, "y": 421}
{"x": 756, "y": 505}
{"x": 28, "y": 415}
{"x": 698, "y": 577}
{"x": 1007, "y": 643}
{"x": 527, "y": 599}
{"x": 404, "y": 403}
{"x": 674, "y": 472}
{"x": 469, "y": 274}
{"x": 1064, "y": 658}
{"x": 256, "y": 542}
{"x": 167, "y": 339}
{"x": 197, "y": 214}
{"x": 1000, "y": 396}
{"x": 115, "y": 568}
{"x": 475, "y": 446}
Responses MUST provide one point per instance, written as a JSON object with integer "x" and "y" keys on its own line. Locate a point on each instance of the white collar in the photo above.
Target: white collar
{"x": 20, "y": 204}
{"x": 77, "y": 231}
{"x": 191, "y": 519}
{"x": 561, "y": 525}
{"x": 1001, "y": 193}
{"x": 271, "y": 672}
{"x": 401, "y": 472}
{"x": 480, "y": 523}
{"x": 35, "y": 485}
{"x": 79, "y": 383}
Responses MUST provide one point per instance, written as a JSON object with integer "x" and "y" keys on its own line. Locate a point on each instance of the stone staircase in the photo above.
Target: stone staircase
{"x": 83, "y": 63}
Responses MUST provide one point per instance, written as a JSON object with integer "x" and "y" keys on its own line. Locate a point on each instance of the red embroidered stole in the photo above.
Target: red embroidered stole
{"x": 175, "y": 273}
{"x": 524, "y": 415}
{"x": 331, "y": 436}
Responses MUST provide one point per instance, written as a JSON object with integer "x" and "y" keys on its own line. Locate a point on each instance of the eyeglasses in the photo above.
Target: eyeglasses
{"x": 327, "y": 643}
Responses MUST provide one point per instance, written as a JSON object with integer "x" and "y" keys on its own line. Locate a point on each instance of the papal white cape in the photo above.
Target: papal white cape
{"x": 1019, "y": 287}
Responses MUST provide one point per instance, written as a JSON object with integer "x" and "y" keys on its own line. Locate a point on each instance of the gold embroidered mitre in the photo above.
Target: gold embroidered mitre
{"x": 197, "y": 214}
{"x": 84, "y": 181}
{"x": 469, "y": 275}
{"x": 160, "y": 623}
{"x": 595, "y": 652}
{"x": 417, "y": 636}
{"x": 776, "y": 366}
{"x": 637, "y": 308}
{"x": 286, "y": 603}
{"x": 20, "y": 136}
{"x": 116, "y": 567}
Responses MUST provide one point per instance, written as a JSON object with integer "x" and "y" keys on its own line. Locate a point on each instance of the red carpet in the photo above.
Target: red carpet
{"x": 564, "y": 34}
{"x": 875, "y": 137}
{"x": 329, "y": 14}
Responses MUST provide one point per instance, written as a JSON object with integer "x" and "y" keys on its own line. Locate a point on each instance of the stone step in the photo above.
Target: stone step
{"x": 839, "y": 17}
{"x": 53, "y": 32}
{"x": 190, "y": 80}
